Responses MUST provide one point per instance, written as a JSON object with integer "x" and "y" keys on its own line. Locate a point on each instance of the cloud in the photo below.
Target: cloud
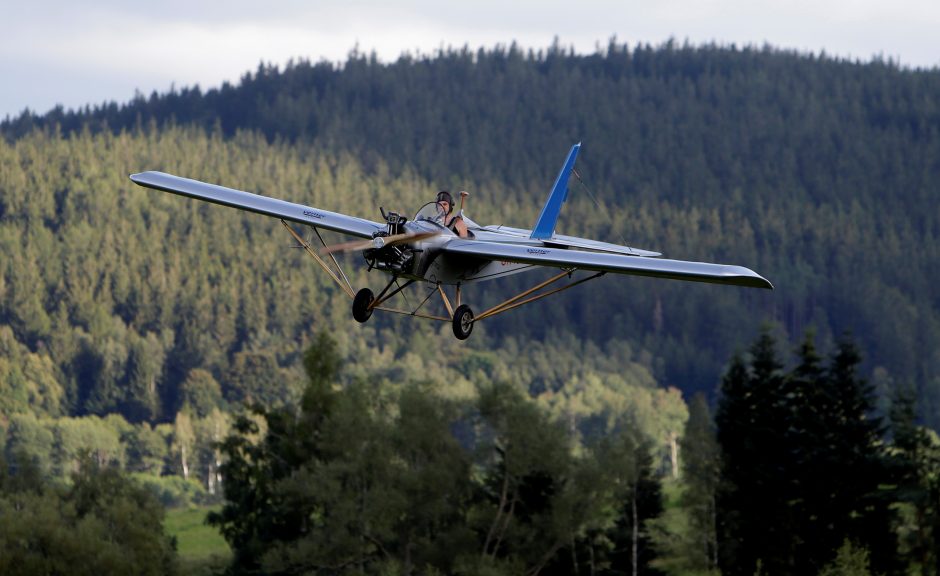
{"x": 77, "y": 53}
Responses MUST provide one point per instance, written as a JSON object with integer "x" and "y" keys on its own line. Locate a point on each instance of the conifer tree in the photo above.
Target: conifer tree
{"x": 861, "y": 507}
{"x": 915, "y": 469}
{"x": 807, "y": 461}
{"x": 751, "y": 423}
{"x": 814, "y": 471}
{"x": 735, "y": 496}
{"x": 701, "y": 468}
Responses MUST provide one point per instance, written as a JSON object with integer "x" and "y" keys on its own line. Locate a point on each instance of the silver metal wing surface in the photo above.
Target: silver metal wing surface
{"x": 257, "y": 203}
{"x": 607, "y": 262}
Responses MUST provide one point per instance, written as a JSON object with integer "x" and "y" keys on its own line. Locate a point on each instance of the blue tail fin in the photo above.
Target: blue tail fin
{"x": 545, "y": 226}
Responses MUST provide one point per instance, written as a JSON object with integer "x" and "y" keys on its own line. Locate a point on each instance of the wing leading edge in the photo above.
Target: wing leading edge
{"x": 257, "y": 203}
{"x": 603, "y": 262}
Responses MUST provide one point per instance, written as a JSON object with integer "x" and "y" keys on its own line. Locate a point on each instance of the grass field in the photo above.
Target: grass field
{"x": 198, "y": 544}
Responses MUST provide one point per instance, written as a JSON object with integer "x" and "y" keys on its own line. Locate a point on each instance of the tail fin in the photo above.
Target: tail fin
{"x": 545, "y": 226}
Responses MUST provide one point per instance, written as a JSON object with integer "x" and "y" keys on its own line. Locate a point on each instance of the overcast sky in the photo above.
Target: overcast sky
{"x": 86, "y": 52}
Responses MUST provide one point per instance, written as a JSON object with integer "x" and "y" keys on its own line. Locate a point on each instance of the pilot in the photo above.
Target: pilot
{"x": 455, "y": 223}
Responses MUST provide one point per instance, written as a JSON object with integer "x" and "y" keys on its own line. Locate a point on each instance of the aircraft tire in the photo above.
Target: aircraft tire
{"x": 463, "y": 322}
{"x": 360, "y": 308}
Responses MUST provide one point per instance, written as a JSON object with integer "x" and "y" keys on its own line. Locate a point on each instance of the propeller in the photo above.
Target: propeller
{"x": 377, "y": 242}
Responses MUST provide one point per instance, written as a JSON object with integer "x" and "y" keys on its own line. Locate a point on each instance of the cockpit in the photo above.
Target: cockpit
{"x": 433, "y": 213}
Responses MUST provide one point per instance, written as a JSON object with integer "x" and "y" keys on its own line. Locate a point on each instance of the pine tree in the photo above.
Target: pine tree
{"x": 754, "y": 519}
{"x": 861, "y": 507}
{"x": 735, "y": 496}
{"x": 814, "y": 468}
{"x": 811, "y": 476}
{"x": 701, "y": 468}
{"x": 915, "y": 468}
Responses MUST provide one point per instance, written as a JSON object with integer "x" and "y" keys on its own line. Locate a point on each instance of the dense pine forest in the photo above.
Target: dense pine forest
{"x": 816, "y": 172}
{"x": 136, "y": 327}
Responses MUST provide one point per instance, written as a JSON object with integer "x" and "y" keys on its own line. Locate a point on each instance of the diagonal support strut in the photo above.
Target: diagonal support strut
{"x": 520, "y": 299}
{"x": 346, "y": 287}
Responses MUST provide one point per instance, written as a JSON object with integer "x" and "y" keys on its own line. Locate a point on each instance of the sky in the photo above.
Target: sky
{"x": 63, "y": 52}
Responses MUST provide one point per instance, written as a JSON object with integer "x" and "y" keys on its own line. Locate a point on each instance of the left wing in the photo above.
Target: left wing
{"x": 257, "y": 203}
{"x": 601, "y": 262}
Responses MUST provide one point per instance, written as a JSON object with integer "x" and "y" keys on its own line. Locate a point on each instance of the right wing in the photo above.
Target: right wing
{"x": 257, "y": 203}
{"x": 601, "y": 262}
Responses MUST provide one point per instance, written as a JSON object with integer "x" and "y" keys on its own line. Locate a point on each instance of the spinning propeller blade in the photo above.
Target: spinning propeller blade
{"x": 377, "y": 242}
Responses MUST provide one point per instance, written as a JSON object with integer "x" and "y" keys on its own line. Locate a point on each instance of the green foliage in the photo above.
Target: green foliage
{"x": 173, "y": 491}
{"x": 200, "y": 392}
{"x": 76, "y": 437}
{"x": 686, "y": 536}
{"x": 360, "y": 482}
{"x": 29, "y": 438}
{"x": 147, "y": 450}
{"x": 804, "y": 449}
{"x": 28, "y": 381}
{"x": 115, "y": 300}
{"x": 682, "y": 548}
{"x": 127, "y": 292}
{"x": 850, "y": 560}
{"x": 102, "y": 524}
{"x": 257, "y": 378}
{"x": 914, "y": 460}
{"x": 639, "y": 501}
{"x": 188, "y": 449}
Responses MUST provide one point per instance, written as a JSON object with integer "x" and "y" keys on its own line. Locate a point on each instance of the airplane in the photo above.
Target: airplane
{"x": 423, "y": 249}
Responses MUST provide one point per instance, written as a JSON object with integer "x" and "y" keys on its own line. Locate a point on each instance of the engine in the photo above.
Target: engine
{"x": 397, "y": 259}
{"x": 395, "y": 222}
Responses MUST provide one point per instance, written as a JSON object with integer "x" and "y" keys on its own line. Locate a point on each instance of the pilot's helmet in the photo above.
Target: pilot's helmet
{"x": 444, "y": 196}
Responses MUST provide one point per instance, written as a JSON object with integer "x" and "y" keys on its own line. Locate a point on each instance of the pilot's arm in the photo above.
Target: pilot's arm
{"x": 456, "y": 223}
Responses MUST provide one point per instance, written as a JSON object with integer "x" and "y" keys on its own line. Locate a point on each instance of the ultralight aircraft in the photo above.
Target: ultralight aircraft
{"x": 422, "y": 248}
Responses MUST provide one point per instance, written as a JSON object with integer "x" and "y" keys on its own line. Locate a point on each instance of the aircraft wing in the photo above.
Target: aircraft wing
{"x": 605, "y": 262}
{"x": 257, "y": 203}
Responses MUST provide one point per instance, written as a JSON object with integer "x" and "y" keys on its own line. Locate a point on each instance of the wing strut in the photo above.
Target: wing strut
{"x": 346, "y": 287}
{"x": 517, "y": 300}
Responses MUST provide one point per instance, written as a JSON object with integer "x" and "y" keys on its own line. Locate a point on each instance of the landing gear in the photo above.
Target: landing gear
{"x": 361, "y": 308}
{"x": 463, "y": 322}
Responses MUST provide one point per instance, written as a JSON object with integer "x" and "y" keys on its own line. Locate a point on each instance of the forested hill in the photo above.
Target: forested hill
{"x": 821, "y": 174}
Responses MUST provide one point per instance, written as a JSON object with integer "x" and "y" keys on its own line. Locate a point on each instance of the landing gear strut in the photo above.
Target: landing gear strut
{"x": 462, "y": 319}
{"x": 463, "y": 322}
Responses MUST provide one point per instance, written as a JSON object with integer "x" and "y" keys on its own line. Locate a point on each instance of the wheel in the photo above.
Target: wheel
{"x": 463, "y": 322}
{"x": 361, "y": 311}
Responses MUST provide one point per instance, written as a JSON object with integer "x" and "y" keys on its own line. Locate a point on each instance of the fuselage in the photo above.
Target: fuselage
{"x": 430, "y": 264}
